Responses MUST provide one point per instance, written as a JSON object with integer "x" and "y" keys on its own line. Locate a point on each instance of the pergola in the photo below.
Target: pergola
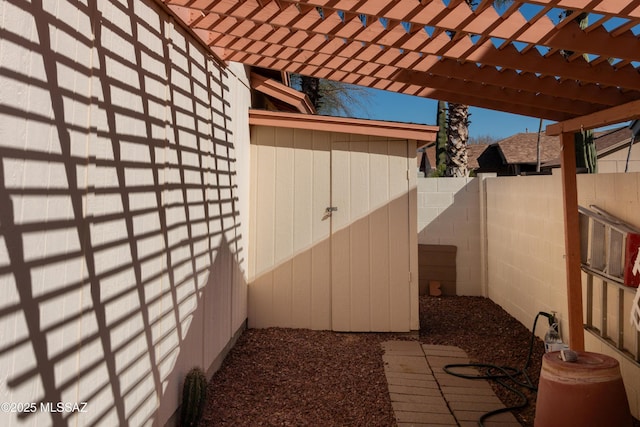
{"x": 528, "y": 57}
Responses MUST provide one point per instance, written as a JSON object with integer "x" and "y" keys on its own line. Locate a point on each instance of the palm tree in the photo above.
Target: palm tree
{"x": 311, "y": 87}
{"x": 331, "y": 97}
{"x": 457, "y": 136}
{"x": 458, "y": 122}
{"x": 458, "y": 130}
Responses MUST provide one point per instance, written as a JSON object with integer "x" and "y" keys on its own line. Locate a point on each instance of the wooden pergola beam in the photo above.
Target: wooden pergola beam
{"x": 555, "y": 65}
{"x": 610, "y": 116}
{"x": 415, "y": 11}
{"x": 527, "y": 82}
{"x": 603, "y": 6}
{"x": 510, "y": 26}
{"x": 566, "y": 130}
{"x": 572, "y": 241}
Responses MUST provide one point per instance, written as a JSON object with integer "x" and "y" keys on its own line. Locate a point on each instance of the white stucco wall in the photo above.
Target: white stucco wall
{"x": 123, "y": 209}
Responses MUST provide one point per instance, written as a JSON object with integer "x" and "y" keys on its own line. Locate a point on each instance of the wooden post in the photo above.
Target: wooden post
{"x": 572, "y": 241}
{"x": 617, "y": 114}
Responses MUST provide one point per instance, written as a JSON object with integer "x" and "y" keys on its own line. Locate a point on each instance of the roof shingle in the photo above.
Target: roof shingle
{"x": 522, "y": 148}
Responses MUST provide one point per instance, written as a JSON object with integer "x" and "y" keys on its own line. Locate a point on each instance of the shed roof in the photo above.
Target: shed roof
{"x": 295, "y": 99}
{"x": 343, "y": 125}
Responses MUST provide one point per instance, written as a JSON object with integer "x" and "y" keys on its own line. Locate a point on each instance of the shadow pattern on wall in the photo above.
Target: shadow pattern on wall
{"x": 120, "y": 247}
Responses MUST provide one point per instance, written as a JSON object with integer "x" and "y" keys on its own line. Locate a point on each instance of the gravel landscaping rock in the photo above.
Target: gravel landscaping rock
{"x": 295, "y": 377}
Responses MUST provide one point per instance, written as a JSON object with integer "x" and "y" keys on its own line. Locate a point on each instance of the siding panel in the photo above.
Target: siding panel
{"x": 292, "y": 180}
{"x": 119, "y": 136}
{"x": 340, "y": 237}
{"x": 347, "y": 270}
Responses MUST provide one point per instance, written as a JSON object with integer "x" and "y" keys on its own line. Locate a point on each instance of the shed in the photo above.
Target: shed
{"x": 333, "y": 232}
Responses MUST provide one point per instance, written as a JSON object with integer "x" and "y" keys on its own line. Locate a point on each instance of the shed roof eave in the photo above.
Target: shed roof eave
{"x": 270, "y": 87}
{"x": 418, "y": 132}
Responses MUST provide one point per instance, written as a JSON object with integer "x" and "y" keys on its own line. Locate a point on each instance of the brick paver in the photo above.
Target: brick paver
{"x": 422, "y": 394}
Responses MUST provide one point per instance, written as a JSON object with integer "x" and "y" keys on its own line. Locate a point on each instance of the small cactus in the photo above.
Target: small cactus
{"x": 194, "y": 394}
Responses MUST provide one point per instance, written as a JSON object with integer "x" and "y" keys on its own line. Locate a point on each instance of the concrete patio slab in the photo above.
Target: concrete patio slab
{"x": 436, "y": 408}
{"x": 407, "y": 348}
{"x": 420, "y": 391}
{"x": 422, "y": 394}
{"x": 406, "y": 364}
{"x": 426, "y": 382}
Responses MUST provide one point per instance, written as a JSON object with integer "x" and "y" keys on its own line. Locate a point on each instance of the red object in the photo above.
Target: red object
{"x": 586, "y": 393}
{"x": 632, "y": 261}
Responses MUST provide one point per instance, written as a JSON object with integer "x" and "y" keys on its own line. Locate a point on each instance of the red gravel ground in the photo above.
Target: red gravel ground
{"x": 295, "y": 377}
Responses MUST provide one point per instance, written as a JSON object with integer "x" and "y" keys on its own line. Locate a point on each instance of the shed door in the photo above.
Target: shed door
{"x": 347, "y": 270}
{"x": 370, "y": 236}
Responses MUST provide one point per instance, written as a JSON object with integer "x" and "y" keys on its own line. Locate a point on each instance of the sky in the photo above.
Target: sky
{"x": 395, "y": 107}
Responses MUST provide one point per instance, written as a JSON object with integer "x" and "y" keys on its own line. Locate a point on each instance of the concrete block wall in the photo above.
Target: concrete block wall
{"x": 123, "y": 210}
{"x": 525, "y": 256}
{"x": 449, "y": 214}
{"x": 616, "y": 193}
{"x": 629, "y": 371}
{"x": 525, "y": 245}
{"x": 520, "y": 219}
{"x": 617, "y": 162}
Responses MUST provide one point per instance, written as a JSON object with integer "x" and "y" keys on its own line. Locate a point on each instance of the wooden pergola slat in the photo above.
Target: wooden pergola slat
{"x": 492, "y": 94}
{"x": 483, "y": 51}
{"x": 318, "y": 45}
{"x": 344, "y": 36}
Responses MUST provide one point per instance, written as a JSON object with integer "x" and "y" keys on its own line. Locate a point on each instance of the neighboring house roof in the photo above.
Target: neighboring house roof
{"x": 343, "y": 124}
{"x": 297, "y": 101}
{"x": 426, "y": 156}
{"x": 474, "y": 151}
{"x": 521, "y": 148}
{"x": 607, "y": 142}
{"x": 430, "y": 152}
{"x": 612, "y": 140}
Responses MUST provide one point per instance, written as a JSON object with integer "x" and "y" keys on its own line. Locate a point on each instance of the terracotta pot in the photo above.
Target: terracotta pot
{"x": 585, "y": 393}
